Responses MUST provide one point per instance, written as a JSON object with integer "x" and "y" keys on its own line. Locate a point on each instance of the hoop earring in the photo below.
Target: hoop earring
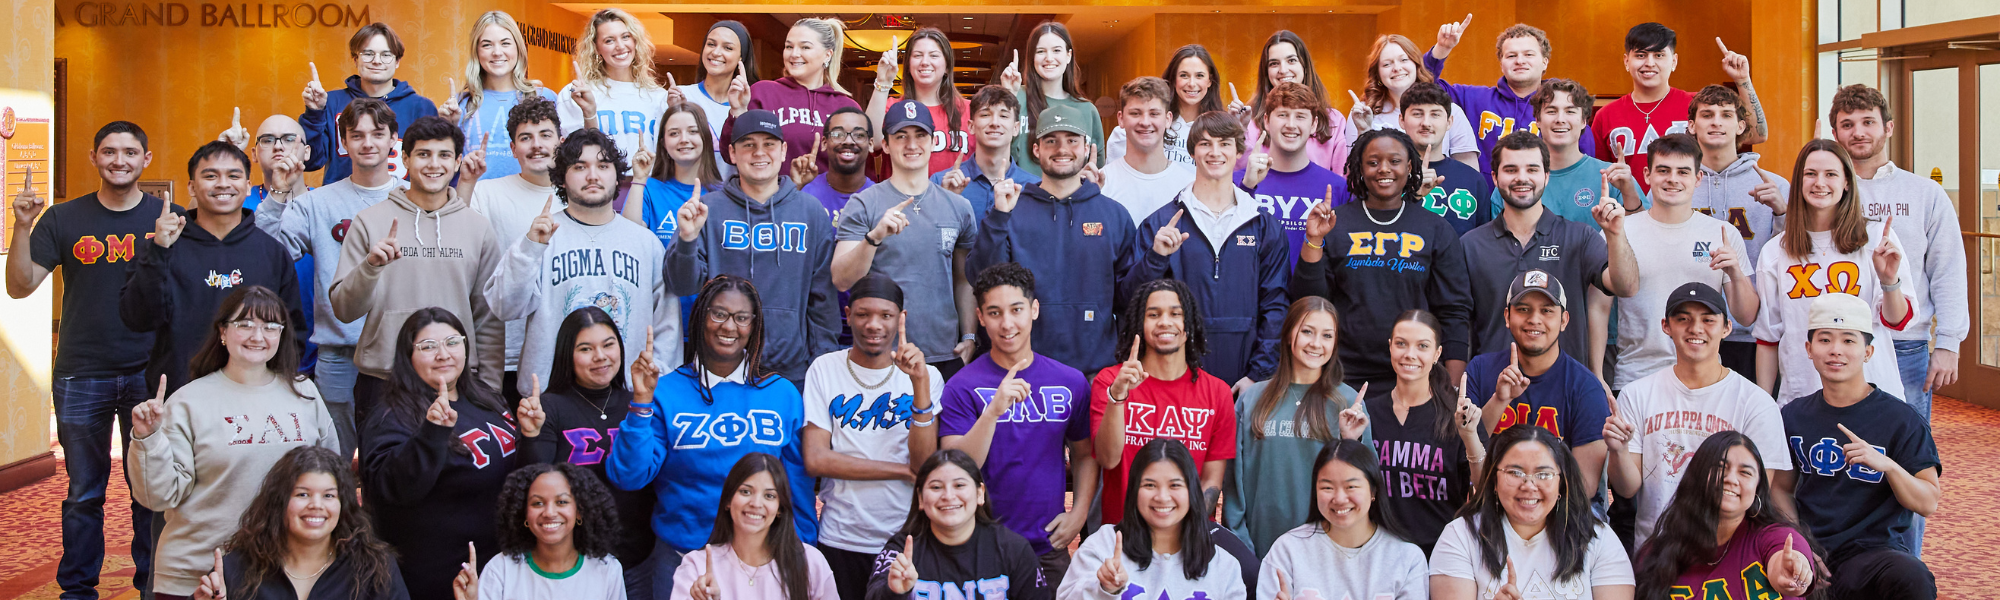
{"x": 1756, "y": 507}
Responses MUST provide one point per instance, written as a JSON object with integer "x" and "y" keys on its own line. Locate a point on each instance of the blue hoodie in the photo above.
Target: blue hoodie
{"x": 1239, "y": 287}
{"x": 1076, "y": 247}
{"x": 785, "y": 248}
{"x": 324, "y": 139}
{"x": 709, "y": 429}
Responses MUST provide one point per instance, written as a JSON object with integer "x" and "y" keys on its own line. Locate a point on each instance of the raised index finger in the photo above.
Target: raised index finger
{"x": 1510, "y": 571}
{"x": 902, "y": 329}
{"x": 315, "y": 71}
{"x": 1762, "y": 175}
{"x": 547, "y": 203}
{"x": 1724, "y": 47}
{"x": 1357, "y": 99}
{"x": 905, "y": 204}
{"x": 1135, "y": 349}
{"x": 1850, "y": 434}
{"x": 218, "y": 555}
{"x": 1177, "y": 218}
{"x": 471, "y": 556}
{"x": 1466, "y": 23}
{"x": 392, "y": 231}
{"x": 1886, "y": 223}
{"x": 649, "y": 339}
{"x": 236, "y": 120}
{"x": 1516, "y": 348}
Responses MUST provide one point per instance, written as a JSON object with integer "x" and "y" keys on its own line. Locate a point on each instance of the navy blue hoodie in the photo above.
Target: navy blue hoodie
{"x": 1239, "y": 287}
{"x": 1076, "y": 247}
{"x": 324, "y": 138}
{"x": 175, "y": 291}
{"x": 785, "y": 248}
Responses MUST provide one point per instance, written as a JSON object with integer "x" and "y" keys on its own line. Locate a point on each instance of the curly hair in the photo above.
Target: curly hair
{"x": 1858, "y": 98}
{"x": 1357, "y": 186}
{"x": 1132, "y": 323}
{"x": 532, "y": 111}
{"x": 262, "y": 538}
{"x": 594, "y": 70}
{"x": 596, "y": 533}
{"x": 571, "y": 151}
{"x": 1718, "y": 95}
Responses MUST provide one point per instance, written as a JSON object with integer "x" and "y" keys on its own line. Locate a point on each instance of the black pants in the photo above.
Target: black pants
{"x": 850, "y": 571}
{"x": 1882, "y": 573}
{"x": 1624, "y": 522}
{"x": 946, "y": 369}
{"x": 368, "y": 391}
{"x": 510, "y": 389}
{"x": 1741, "y": 357}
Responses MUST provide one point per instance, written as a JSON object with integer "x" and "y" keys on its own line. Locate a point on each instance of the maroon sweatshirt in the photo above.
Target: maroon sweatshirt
{"x": 802, "y": 112}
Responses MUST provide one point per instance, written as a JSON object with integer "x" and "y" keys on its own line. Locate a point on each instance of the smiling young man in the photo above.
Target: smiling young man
{"x": 442, "y": 258}
{"x": 1456, "y": 191}
{"x": 1575, "y": 178}
{"x": 1533, "y": 382}
{"x": 99, "y": 363}
{"x": 1660, "y": 419}
{"x": 186, "y": 272}
{"x": 1015, "y": 411}
{"x": 1160, "y": 391}
{"x": 871, "y": 420}
{"x": 849, "y": 139}
{"x": 1067, "y": 231}
{"x": 764, "y": 229}
{"x": 512, "y": 202}
{"x": 1504, "y": 107}
{"x": 1144, "y": 179}
{"x": 917, "y": 234}
{"x": 1280, "y": 173}
{"x": 1866, "y": 462}
{"x": 1673, "y": 245}
{"x": 377, "y": 52}
{"x": 582, "y": 255}
{"x": 1626, "y": 128}
{"x": 1734, "y": 190}
{"x": 1933, "y": 248}
{"x": 995, "y": 121}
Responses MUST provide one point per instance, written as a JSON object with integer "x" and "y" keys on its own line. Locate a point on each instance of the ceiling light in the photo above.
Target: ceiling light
{"x": 968, "y": 18}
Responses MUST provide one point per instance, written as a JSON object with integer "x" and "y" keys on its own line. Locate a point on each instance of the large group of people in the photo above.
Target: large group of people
{"x": 708, "y": 341}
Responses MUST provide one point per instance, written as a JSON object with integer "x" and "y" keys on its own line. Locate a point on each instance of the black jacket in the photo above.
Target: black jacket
{"x": 175, "y": 291}
{"x": 337, "y": 583}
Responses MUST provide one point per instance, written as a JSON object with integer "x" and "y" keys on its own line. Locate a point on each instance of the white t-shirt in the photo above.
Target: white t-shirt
{"x": 1457, "y": 554}
{"x": 514, "y": 577}
{"x": 1674, "y": 420}
{"x": 1141, "y": 193}
{"x": 717, "y": 112}
{"x": 1781, "y": 317}
{"x": 511, "y": 204}
{"x": 628, "y": 113}
{"x": 1670, "y": 256}
{"x": 859, "y": 516}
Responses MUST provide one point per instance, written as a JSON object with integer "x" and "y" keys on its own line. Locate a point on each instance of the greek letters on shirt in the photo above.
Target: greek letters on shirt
{"x": 1624, "y": 138}
{"x": 1419, "y": 456}
{"x": 1134, "y": 591}
{"x": 1145, "y": 422}
{"x": 1739, "y": 218}
{"x": 791, "y": 115}
{"x": 1756, "y": 586}
{"x": 113, "y": 248}
{"x": 286, "y": 427}
{"x": 1392, "y": 250}
{"x": 1495, "y": 127}
{"x": 587, "y": 446}
{"x": 494, "y": 434}
{"x": 994, "y": 588}
{"x": 765, "y": 237}
{"x": 629, "y": 121}
{"x": 1049, "y": 404}
{"x": 1546, "y": 417}
{"x": 884, "y": 412}
{"x": 727, "y": 429}
{"x": 1536, "y": 584}
{"x": 1459, "y": 203}
{"x": 1842, "y": 277}
{"x": 1292, "y": 210}
{"x": 1825, "y": 458}
{"x": 1675, "y": 454}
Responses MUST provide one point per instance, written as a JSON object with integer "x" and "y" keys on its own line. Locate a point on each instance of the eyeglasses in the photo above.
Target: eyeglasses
{"x": 268, "y": 139}
{"x": 373, "y": 56}
{"x": 842, "y": 135}
{"x": 717, "y": 315}
{"x": 1539, "y": 476}
{"x": 247, "y": 326}
{"x": 432, "y": 346}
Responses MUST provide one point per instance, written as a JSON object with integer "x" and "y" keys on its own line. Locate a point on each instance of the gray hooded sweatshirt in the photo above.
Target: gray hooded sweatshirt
{"x": 1726, "y": 196}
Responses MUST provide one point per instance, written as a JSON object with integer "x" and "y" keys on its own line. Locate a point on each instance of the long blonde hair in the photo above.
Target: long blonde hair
{"x": 475, "y": 76}
{"x": 592, "y": 66}
{"x": 831, "y": 34}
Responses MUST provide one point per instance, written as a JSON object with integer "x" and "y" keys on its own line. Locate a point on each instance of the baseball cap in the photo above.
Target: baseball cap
{"x": 1059, "y": 117}
{"x": 1840, "y": 311}
{"x": 1696, "y": 291}
{"x": 1536, "y": 281}
{"x": 756, "y": 121}
{"x": 908, "y": 113}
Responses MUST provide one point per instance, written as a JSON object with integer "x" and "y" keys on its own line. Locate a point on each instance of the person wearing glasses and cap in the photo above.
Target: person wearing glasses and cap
{"x": 1660, "y": 419}
{"x": 767, "y": 231}
{"x": 1533, "y": 382}
{"x": 918, "y": 234}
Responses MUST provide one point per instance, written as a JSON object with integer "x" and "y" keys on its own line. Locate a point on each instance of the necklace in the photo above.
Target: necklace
{"x": 864, "y": 384}
{"x": 1392, "y": 220}
{"x": 602, "y": 415}
{"x": 316, "y": 574}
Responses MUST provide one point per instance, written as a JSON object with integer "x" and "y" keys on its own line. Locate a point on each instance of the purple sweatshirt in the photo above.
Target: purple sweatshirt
{"x": 801, "y": 112}
{"x": 1495, "y": 112}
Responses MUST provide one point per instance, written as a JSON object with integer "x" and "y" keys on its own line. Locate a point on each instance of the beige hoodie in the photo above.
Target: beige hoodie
{"x": 446, "y": 259}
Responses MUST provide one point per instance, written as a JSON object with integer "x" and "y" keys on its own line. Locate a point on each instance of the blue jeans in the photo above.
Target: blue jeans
{"x": 666, "y": 560}
{"x": 85, "y": 409}
{"x": 1913, "y": 357}
{"x": 334, "y": 374}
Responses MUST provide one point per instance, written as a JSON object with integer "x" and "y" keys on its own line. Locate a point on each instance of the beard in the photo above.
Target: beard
{"x": 1525, "y": 202}
{"x": 588, "y": 201}
{"x": 1075, "y": 167}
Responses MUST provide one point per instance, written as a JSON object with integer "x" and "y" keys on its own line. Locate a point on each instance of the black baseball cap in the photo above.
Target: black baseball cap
{"x": 908, "y": 113}
{"x": 1537, "y": 281}
{"x": 756, "y": 121}
{"x": 1696, "y": 291}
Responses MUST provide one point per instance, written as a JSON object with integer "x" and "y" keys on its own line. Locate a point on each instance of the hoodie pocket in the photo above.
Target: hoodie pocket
{"x": 1076, "y": 330}
{"x": 786, "y": 336}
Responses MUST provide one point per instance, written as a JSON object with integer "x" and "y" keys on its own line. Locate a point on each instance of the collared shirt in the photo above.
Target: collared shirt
{"x": 741, "y": 376}
{"x": 1216, "y": 227}
{"x": 1571, "y": 251}
{"x": 979, "y": 186}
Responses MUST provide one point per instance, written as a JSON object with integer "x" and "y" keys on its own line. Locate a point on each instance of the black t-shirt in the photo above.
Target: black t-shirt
{"x": 579, "y": 431}
{"x": 96, "y": 248}
{"x": 1426, "y": 474}
{"x": 1851, "y": 508}
{"x": 1372, "y": 273}
{"x": 995, "y": 562}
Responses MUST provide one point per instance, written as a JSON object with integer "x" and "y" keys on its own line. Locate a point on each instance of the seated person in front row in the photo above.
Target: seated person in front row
{"x": 1866, "y": 461}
